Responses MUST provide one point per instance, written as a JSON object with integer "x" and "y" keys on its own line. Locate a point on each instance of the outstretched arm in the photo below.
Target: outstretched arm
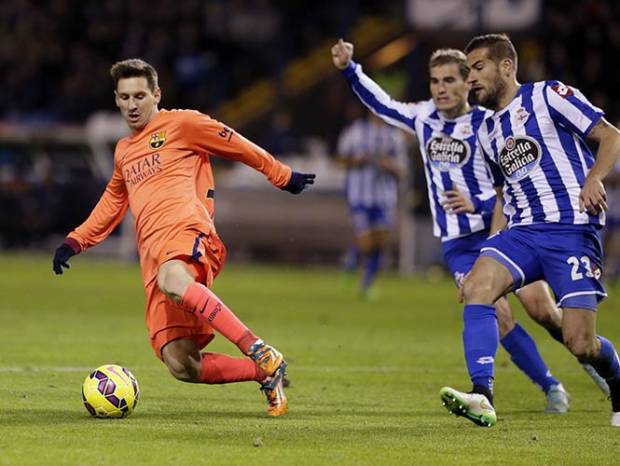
{"x": 593, "y": 197}
{"x": 211, "y": 136}
{"x": 393, "y": 112}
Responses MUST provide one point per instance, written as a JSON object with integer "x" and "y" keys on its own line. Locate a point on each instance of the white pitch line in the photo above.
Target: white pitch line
{"x": 317, "y": 368}
{"x": 45, "y": 369}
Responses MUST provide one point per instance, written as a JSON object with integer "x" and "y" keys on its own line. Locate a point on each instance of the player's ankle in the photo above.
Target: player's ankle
{"x": 614, "y": 396}
{"x": 247, "y": 341}
{"x": 486, "y": 391}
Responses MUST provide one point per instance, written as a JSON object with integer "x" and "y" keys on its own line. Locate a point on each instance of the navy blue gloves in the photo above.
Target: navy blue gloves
{"x": 298, "y": 182}
{"x": 63, "y": 253}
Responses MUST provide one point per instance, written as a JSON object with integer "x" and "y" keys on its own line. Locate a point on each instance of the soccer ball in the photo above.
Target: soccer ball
{"x": 110, "y": 391}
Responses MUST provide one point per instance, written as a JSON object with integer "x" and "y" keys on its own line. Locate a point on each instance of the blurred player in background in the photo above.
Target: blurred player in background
{"x": 162, "y": 172}
{"x": 446, "y": 128}
{"x": 374, "y": 156}
{"x": 611, "y": 234}
{"x": 555, "y": 202}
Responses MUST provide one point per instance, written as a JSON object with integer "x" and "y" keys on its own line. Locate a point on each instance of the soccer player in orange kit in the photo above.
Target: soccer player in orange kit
{"x": 162, "y": 172}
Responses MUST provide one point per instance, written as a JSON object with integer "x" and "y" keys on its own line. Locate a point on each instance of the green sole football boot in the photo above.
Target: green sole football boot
{"x": 473, "y": 406}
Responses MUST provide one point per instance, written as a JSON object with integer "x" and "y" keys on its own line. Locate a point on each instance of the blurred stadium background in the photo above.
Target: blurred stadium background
{"x": 264, "y": 68}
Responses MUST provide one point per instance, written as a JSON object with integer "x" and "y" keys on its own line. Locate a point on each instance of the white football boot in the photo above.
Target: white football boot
{"x": 598, "y": 380}
{"x": 473, "y": 406}
{"x": 558, "y": 400}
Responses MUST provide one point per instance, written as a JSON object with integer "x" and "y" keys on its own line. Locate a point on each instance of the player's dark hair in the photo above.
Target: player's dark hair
{"x": 448, "y": 56}
{"x": 498, "y": 45}
{"x": 134, "y": 68}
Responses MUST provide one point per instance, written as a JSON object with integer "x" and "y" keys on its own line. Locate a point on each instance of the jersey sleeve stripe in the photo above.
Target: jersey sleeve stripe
{"x": 574, "y": 110}
{"x": 376, "y": 99}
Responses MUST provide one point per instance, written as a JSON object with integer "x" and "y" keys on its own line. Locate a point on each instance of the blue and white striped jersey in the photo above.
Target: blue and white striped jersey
{"x": 369, "y": 185}
{"x": 449, "y": 150}
{"x": 536, "y": 146}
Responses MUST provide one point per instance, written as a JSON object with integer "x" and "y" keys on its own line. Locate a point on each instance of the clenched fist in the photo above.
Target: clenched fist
{"x": 342, "y": 53}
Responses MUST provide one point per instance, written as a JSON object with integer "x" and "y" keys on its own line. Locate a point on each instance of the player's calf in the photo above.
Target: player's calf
{"x": 186, "y": 370}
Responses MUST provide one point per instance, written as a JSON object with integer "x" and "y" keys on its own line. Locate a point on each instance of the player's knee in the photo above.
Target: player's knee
{"x": 505, "y": 326}
{"x": 364, "y": 243}
{"x": 477, "y": 291}
{"x": 582, "y": 346}
{"x": 172, "y": 279}
{"x": 185, "y": 370}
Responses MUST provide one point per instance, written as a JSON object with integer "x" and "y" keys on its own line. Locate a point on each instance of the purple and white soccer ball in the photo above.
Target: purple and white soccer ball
{"x": 110, "y": 391}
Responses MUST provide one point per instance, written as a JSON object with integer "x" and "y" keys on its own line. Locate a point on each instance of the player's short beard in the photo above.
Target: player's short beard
{"x": 494, "y": 94}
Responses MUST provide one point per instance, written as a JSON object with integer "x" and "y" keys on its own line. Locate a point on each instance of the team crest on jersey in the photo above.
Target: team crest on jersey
{"x": 519, "y": 157}
{"x": 466, "y": 131}
{"x": 446, "y": 153}
{"x": 521, "y": 115}
{"x": 562, "y": 90}
{"x": 157, "y": 140}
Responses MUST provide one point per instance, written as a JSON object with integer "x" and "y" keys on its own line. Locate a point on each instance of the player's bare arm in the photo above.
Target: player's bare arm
{"x": 391, "y": 165}
{"x": 593, "y": 197}
{"x": 498, "y": 221}
{"x": 342, "y": 54}
{"x": 348, "y": 162}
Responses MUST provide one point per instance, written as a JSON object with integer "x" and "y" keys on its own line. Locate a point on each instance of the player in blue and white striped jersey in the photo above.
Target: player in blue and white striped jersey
{"x": 446, "y": 128}
{"x": 375, "y": 156}
{"x": 554, "y": 199}
{"x": 611, "y": 236}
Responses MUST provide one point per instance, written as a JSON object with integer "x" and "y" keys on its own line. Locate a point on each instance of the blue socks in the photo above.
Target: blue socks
{"x": 480, "y": 342}
{"x": 352, "y": 259}
{"x": 373, "y": 263}
{"x": 556, "y": 334}
{"x": 607, "y": 364}
{"x": 525, "y": 355}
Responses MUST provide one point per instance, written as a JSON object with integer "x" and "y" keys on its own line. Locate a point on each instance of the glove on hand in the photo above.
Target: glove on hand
{"x": 63, "y": 253}
{"x": 298, "y": 182}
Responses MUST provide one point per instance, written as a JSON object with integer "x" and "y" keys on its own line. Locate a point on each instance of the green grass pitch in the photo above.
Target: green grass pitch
{"x": 366, "y": 377}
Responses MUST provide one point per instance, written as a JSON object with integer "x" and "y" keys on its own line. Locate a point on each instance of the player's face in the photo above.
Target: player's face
{"x": 485, "y": 79}
{"x": 136, "y": 101}
{"x": 448, "y": 89}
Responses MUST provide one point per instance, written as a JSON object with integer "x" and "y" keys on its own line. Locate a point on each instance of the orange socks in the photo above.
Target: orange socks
{"x": 203, "y": 302}
{"x": 220, "y": 368}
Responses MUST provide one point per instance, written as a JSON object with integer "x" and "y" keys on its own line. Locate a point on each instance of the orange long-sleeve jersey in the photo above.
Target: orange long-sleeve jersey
{"x": 163, "y": 174}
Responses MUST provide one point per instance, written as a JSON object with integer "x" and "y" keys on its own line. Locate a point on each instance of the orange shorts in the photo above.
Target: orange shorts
{"x": 167, "y": 321}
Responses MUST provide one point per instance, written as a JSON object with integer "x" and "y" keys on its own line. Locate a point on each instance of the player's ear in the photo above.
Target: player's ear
{"x": 117, "y": 99}
{"x": 507, "y": 66}
{"x": 157, "y": 95}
